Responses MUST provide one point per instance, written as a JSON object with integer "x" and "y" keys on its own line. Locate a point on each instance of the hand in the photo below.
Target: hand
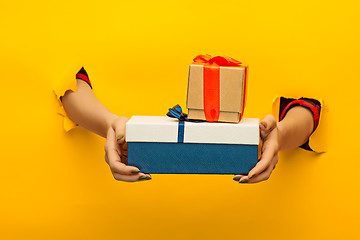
{"x": 116, "y": 153}
{"x": 269, "y": 153}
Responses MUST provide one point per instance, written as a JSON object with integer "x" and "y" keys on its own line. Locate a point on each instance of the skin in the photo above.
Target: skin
{"x": 85, "y": 110}
{"x": 293, "y": 131}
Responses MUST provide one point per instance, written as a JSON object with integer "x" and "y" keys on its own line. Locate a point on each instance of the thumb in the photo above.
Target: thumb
{"x": 267, "y": 124}
{"x": 120, "y": 129}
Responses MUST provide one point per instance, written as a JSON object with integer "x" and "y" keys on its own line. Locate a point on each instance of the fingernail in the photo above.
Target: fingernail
{"x": 143, "y": 178}
{"x": 236, "y": 178}
{"x": 252, "y": 176}
{"x": 120, "y": 137}
{"x": 148, "y": 178}
{"x": 137, "y": 171}
{"x": 264, "y": 124}
{"x": 244, "y": 181}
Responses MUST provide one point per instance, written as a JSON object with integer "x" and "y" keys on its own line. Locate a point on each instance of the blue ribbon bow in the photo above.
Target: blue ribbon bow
{"x": 176, "y": 112}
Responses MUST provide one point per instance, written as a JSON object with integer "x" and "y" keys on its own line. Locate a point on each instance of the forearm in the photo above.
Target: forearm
{"x": 296, "y": 128}
{"x": 84, "y": 109}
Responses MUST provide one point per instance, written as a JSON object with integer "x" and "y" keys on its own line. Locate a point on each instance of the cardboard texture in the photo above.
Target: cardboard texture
{"x": 154, "y": 146}
{"x": 231, "y": 93}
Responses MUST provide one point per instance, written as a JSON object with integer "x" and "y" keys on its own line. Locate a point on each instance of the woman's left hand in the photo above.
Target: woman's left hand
{"x": 269, "y": 153}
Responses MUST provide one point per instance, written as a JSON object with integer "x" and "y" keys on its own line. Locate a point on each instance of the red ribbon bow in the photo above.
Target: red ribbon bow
{"x": 212, "y": 83}
{"x": 218, "y": 60}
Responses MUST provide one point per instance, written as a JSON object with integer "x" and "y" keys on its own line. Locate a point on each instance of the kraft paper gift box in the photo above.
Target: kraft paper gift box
{"x": 158, "y": 144}
{"x": 216, "y": 89}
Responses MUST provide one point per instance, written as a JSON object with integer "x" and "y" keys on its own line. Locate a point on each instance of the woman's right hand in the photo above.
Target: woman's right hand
{"x": 116, "y": 153}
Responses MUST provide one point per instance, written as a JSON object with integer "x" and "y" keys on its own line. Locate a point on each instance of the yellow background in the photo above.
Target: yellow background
{"x": 56, "y": 185}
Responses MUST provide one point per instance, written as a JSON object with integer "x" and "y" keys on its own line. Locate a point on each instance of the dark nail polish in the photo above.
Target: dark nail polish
{"x": 244, "y": 181}
{"x": 148, "y": 178}
{"x": 137, "y": 171}
{"x": 264, "y": 124}
{"x": 236, "y": 178}
{"x": 143, "y": 178}
{"x": 252, "y": 176}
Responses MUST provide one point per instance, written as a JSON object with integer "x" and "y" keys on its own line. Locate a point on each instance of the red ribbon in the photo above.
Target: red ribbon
{"x": 212, "y": 83}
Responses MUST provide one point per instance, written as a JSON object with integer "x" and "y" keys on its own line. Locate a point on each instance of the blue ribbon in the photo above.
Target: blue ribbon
{"x": 181, "y": 132}
{"x": 176, "y": 112}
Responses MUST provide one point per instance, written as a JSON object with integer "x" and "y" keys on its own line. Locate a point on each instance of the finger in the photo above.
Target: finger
{"x": 260, "y": 147}
{"x": 110, "y": 139}
{"x": 241, "y": 178}
{"x": 262, "y": 176}
{"x": 136, "y": 174}
{"x": 110, "y": 135}
{"x": 267, "y": 124}
{"x": 120, "y": 139}
{"x": 124, "y": 148}
{"x": 118, "y": 167}
{"x": 121, "y": 149}
{"x": 133, "y": 170}
{"x": 120, "y": 130}
{"x": 238, "y": 177}
{"x": 266, "y": 158}
{"x": 124, "y": 153}
{"x": 112, "y": 150}
{"x": 265, "y": 174}
{"x": 132, "y": 178}
{"x": 113, "y": 156}
{"x": 124, "y": 159}
{"x": 244, "y": 179}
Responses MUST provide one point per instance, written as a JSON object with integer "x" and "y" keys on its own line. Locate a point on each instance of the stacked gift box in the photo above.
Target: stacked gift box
{"x": 212, "y": 139}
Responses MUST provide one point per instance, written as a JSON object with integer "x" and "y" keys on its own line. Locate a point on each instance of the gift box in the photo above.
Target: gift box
{"x": 159, "y": 144}
{"x": 216, "y": 89}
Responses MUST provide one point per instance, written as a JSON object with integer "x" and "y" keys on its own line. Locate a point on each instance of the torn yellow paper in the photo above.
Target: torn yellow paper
{"x": 67, "y": 82}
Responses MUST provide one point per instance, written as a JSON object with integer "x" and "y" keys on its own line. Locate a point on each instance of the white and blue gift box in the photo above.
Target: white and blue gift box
{"x": 158, "y": 144}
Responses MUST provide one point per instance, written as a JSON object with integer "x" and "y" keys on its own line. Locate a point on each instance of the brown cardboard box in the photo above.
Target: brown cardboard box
{"x": 232, "y": 84}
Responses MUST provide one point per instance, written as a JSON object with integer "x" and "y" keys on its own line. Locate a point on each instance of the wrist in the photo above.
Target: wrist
{"x": 281, "y": 133}
{"x": 296, "y": 128}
